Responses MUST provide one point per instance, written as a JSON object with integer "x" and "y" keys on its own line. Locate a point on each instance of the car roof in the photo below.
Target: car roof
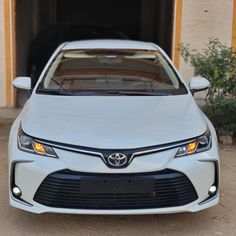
{"x": 109, "y": 44}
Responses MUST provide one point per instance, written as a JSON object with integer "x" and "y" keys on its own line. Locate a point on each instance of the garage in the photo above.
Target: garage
{"x": 40, "y": 26}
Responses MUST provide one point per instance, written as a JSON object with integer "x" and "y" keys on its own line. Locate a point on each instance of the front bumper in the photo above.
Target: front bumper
{"x": 30, "y": 170}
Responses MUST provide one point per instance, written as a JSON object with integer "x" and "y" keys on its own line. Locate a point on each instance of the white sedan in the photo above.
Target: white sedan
{"x": 112, "y": 128}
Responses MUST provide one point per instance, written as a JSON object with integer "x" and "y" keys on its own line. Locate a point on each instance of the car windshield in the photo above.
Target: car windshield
{"x": 111, "y": 72}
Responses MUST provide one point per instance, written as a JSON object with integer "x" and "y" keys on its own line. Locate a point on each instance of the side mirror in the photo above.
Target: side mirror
{"x": 22, "y": 83}
{"x": 198, "y": 84}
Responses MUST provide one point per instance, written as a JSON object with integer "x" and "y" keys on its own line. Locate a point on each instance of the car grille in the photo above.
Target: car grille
{"x": 75, "y": 190}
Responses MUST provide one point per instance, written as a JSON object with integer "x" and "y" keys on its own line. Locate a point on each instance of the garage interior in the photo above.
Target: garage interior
{"x": 146, "y": 20}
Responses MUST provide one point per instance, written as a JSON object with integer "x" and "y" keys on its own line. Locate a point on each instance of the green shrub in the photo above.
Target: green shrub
{"x": 223, "y": 114}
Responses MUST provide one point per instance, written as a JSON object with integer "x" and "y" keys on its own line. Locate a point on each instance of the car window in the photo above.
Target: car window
{"x": 111, "y": 72}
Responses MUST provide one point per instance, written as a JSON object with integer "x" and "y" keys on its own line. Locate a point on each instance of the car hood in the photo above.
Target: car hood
{"x": 113, "y": 122}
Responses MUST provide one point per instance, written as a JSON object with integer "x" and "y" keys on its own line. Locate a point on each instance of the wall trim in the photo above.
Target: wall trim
{"x": 9, "y": 51}
{"x": 177, "y": 32}
{"x": 233, "y": 42}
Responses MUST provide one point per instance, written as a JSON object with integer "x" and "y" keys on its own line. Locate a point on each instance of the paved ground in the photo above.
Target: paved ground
{"x": 219, "y": 220}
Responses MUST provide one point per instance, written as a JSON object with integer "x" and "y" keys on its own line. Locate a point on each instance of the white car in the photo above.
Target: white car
{"x": 112, "y": 128}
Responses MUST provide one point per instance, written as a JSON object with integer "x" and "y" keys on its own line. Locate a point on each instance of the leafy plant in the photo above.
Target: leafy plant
{"x": 223, "y": 114}
{"x": 217, "y": 63}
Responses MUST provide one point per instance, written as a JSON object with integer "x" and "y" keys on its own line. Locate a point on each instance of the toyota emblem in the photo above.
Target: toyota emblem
{"x": 117, "y": 159}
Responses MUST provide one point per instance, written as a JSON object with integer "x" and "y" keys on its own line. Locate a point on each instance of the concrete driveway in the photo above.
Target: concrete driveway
{"x": 219, "y": 220}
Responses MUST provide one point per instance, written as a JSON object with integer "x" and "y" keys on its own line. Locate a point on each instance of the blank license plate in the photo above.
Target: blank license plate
{"x": 116, "y": 186}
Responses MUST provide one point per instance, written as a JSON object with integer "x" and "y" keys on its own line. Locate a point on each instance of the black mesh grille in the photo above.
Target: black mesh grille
{"x": 67, "y": 189}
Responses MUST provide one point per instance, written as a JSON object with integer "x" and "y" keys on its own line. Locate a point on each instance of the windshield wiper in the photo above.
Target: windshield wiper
{"x": 53, "y": 92}
{"x": 91, "y": 93}
{"x": 136, "y": 93}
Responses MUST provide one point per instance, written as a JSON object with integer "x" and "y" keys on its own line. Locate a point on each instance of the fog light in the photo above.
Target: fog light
{"x": 16, "y": 192}
{"x": 212, "y": 190}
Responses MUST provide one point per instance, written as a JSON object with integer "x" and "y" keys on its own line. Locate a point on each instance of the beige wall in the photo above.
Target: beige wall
{"x": 202, "y": 20}
{"x": 2, "y": 56}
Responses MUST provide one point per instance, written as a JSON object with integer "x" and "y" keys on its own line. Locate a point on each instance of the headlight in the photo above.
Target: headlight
{"x": 200, "y": 144}
{"x": 28, "y": 144}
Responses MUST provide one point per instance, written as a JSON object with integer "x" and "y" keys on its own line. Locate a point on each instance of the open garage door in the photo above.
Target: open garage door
{"x": 41, "y": 25}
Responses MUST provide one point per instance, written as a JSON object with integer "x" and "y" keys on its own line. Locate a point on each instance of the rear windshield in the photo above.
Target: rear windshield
{"x": 111, "y": 72}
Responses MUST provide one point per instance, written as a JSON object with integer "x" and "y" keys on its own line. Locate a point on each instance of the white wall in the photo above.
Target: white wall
{"x": 2, "y": 56}
{"x": 202, "y": 20}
